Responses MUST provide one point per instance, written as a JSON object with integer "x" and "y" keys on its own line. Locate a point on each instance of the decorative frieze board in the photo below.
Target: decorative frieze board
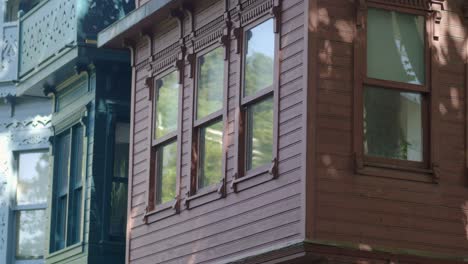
{"x": 253, "y": 9}
{"x": 35, "y": 122}
{"x": 427, "y": 5}
{"x": 7, "y": 91}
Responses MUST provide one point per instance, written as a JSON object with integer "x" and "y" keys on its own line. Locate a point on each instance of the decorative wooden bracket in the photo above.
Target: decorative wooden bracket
{"x": 361, "y": 8}
{"x": 188, "y": 8}
{"x": 191, "y": 59}
{"x": 237, "y": 33}
{"x": 11, "y": 100}
{"x": 273, "y": 171}
{"x": 149, "y": 86}
{"x": 233, "y": 182}
{"x": 180, "y": 16}
{"x": 48, "y": 89}
{"x": 176, "y": 204}
{"x": 180, "y": 64}
{"x": 358, "y": 163}
{"x": 222, "y": 188}
{"x": 276, "y": 13}
{"x": 225, "y": 39}
{"x": 436, "y": 173}
{"x": 130, "y": 45}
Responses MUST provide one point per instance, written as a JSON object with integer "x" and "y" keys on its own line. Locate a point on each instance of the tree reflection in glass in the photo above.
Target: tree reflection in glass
{"x": 211, "y": 153}
{"x": 393, "y": 124}
{"x": 260, "y": 52}
{"x": 32, "y": 178}
{"x": 210, "y": 83}
{"x": 166, "y": 104}
{"x": 167, "y": 171}
{"x": 30, "y": 235}
{"x": 259, "y": 134}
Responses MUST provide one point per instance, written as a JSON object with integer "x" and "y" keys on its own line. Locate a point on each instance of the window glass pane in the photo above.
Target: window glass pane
{"x": 393, "y": 124}
{"x": 395, "y": 46}
{"x": 59, "y": 236}
{"x": 118, "y": 214}
{"x": 62, "y": 159}
{"x": 167, "y": 171}
{"x": 30, "y": 236}
{"x": 260, "y": 53}
{"x": 210, "y": 83}
{"x": 77, "y": 157}
{"x": 211, "y": 155}
{"x": 121, "y": 148}
{"x": 33, "y": 178}
{"x": 167, "y": 104}
{"x": 259, "y": 134}
{"x": 74, "y": 218}
{"x": 13, "y": 6}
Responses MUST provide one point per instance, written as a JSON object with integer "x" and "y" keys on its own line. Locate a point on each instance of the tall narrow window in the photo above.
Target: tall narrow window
{"x": 395, "y": 90}
{"x": 257, "y": 99}
{"x": 119, "y": 188}
{"x": 68, "y": 189}
{"x": 166, "y": 112}
{"x": 31, "y": 202}
{"x": 208, "y": 123}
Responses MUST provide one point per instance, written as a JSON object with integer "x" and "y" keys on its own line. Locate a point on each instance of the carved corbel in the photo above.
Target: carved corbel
{"x": 222, "y": 188}
{"x": 358, "y": 163}
{"x": 48, "y": 89}
{"x": 11, "y": 100}
{"x": 191, "y": 59}
{"x": 237, "y": 33}
{"x": 361, "y": 8}
{"x": 180, "y": 16}
{"x": 188, "y": 8}
{"x": 436, "y": 6}
{"x": 149, "y": 84}
{"x": 179, "y": 65}
{"x": 225, "y": 39}
{"x": 276, "y": 13}
{"x": 435, "y": 173}
{"x": 176, "y": 205}
{"x": 273, "y": 171}
{"x": 147, "y": 33}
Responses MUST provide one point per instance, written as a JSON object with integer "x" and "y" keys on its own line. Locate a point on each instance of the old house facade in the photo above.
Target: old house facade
{"x": 64, "y": 124}
{"x": 299, "y": 131}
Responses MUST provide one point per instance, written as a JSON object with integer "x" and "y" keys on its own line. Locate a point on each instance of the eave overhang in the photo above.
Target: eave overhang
{"x": 131, "y": 25}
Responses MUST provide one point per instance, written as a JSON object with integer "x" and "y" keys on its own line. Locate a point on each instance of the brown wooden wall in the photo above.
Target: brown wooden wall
{"x": 372, "y": 211}
{"x": 254, "y": 219}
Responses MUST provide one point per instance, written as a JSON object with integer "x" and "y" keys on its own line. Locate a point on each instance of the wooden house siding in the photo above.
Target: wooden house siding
{"x": 373, "y": 211}
{"x": 244, "y": 222}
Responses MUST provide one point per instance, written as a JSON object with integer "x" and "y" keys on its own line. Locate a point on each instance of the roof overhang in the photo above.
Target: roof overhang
{"x": 131, "y": 25}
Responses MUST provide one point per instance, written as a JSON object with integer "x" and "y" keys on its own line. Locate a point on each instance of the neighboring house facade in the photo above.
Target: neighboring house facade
{"x": 64, "y": 130}
{"x": 298, "y": 131}
{"x": 25, "y": 128}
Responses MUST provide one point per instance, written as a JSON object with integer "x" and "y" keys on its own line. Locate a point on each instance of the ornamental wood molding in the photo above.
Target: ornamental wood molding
{"x": 428, "y": 5}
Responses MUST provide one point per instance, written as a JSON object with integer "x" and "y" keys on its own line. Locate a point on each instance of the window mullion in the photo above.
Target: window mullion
{"x": 70, "y": 151}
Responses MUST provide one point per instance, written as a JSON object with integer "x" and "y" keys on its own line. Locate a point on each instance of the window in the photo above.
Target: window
{"x": 258, "y": 96}
{"x": 119, "y": 183}
{"x": 31, "y": 202}
{"x": 394, "y": 92}
{"x": 208, "y": 125}
{"x": 68, "y": 188}
{"x": 14, "y": 6}
{"x": 164, "y": 143}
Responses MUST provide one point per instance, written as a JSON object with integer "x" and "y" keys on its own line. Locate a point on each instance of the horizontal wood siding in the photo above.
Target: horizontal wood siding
{"x": 243, "y": 223}
{"x": 376, "y": 211}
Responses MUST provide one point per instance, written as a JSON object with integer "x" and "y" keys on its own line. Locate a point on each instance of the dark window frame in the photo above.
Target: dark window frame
{"x": 70, "y": 191}
{"x": 425, "y": 170}
{"x": 171, "y": 138}
{"x": 268, "y": 170}
{"x": 206, "y": 121}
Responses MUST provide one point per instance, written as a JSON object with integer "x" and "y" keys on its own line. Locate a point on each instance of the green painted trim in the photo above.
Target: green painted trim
{"x": 31, "y": 83}
{"x": 65, "y": 253}
{"x": 396, "y": 251}
{"x": 131, "y": 20}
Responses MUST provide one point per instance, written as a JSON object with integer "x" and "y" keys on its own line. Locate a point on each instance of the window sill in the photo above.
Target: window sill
{"x": 162, "y": 211}
{"x": 399, "y": 172}
{"x": 255, "y": 177}
{"x": 67, "y": 252}
{"x": 205, "y": 195}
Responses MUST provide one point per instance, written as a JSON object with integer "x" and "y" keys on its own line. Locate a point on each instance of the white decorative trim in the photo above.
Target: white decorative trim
{"x": 35, "y": 122}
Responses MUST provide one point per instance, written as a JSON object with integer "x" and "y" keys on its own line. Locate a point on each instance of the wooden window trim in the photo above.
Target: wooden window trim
{"x": 195, "y": 196}
{"x": 427, "y": 170}
{"x": 247, "y": 179}
{"x": 76, "y": 247}
{"x": 155, "y": 212}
